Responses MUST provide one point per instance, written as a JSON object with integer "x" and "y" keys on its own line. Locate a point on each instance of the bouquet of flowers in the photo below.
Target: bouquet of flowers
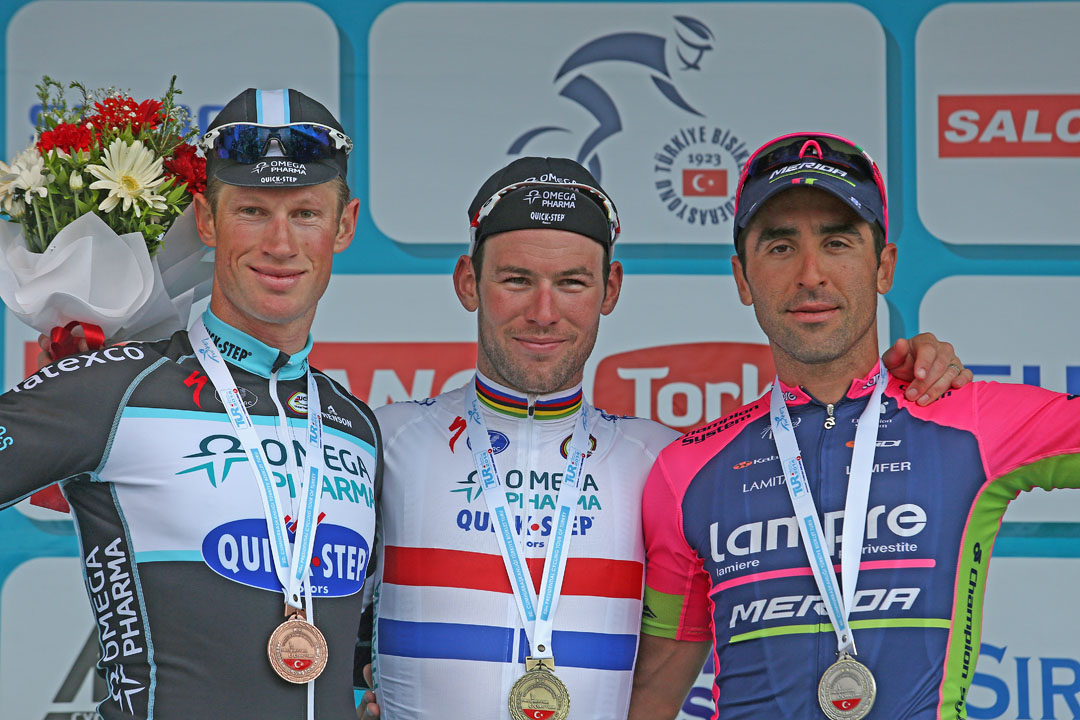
{"x": 98, "y": 234}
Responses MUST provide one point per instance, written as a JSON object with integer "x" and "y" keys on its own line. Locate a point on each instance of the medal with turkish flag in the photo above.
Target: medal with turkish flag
{"x": 297, "y": 649}
{"x": 847, "y": 690}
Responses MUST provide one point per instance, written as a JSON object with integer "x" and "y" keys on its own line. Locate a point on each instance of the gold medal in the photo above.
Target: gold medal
{"x": 847, "y": 690}
{"x": 538, "y": 694}
{"x": 297, "y": 649}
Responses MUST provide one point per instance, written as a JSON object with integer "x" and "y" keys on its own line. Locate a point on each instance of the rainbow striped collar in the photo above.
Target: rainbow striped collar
{"x": 544, "y": 407}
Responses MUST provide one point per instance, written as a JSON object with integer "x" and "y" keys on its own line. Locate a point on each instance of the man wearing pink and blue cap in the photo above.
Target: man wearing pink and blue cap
{"x": 829, "y": 543}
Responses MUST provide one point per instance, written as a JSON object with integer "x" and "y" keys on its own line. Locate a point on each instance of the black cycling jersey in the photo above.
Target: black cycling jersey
{"x": 172, "y": 536}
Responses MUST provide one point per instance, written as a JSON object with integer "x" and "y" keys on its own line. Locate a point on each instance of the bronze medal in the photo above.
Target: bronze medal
{"x": 847, "y": 690}
{"x": 297, "y": 649}
{"x": 538, "y": 694}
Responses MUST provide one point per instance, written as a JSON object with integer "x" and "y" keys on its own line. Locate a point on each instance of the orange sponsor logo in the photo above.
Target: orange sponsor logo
{"x": 683, "y": 386}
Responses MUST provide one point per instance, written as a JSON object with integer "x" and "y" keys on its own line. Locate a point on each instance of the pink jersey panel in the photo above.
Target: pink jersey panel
{"x": 674, "y": 568}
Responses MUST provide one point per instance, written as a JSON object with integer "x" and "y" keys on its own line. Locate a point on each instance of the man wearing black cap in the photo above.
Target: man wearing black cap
{"x": 224, "y": 521}
{"x": 456, "y": 631}
{"x": 512, "y": 497}
{"x": 831, "y": 540}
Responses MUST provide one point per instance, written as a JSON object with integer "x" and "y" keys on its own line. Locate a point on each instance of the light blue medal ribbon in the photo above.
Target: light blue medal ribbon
{"x": 292, "y": 569}
{"x": 537, "y": 612}
{"x": 858, "y": 494}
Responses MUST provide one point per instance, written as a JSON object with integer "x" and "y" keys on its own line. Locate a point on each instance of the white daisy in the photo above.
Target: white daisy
{"x": 130, "y": 173}
{"x": 32, "y": 178}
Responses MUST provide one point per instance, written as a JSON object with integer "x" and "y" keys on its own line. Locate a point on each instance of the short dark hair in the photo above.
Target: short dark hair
{"x": 875, "y": 232}
{"x": 478, "y": 261}
{"x": 214, "y": 187}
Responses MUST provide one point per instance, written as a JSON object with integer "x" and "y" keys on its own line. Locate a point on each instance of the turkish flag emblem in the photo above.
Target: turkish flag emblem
{"x": 299, "y": 664}
{"x": 848, "y": 704}
{"x": 704, "y": 182}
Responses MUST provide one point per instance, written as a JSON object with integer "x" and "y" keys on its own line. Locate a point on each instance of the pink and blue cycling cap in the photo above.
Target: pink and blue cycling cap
{"x": 820, "y": 160}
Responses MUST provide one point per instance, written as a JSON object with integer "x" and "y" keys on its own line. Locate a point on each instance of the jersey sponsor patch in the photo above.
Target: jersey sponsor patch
{"x": 499, "y": 441}
{"x": 240, "y": 551}
{"x": 297, "y": 402}
{"x": 78, "y": 362}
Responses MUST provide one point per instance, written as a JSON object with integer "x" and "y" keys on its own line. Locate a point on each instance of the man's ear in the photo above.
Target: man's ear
{"x": 886, "y": 268}
{"x": 347, "y": 225}
{"x": 204, "y": 220}
{"x": 465, "y": 284}
{"x": 740, "y": 281}
{"x": 613, "y": 287}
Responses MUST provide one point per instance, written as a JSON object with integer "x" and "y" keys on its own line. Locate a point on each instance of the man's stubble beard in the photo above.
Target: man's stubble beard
{"x": 810, "y": 350}
{"x": 528, "y": 379}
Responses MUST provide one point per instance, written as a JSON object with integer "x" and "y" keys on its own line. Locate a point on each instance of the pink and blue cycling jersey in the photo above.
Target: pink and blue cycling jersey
{"x": 725, "y": 561}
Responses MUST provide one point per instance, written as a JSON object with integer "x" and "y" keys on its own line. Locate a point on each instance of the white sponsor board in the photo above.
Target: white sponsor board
{"x": 1030, "y": 664}
{"x": 657, "y": 98}
{"x": 999, "y": 131}
{"x": 216, "y": 49}
{"x": 654, "y": 340}
{"x": 45, "y": 622}
{"x": 1009, "y": 329}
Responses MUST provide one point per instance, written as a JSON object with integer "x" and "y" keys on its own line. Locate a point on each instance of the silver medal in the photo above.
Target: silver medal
{"x": 847, "y": 690}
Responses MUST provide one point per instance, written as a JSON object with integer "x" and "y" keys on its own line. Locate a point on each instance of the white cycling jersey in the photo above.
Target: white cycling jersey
{"x": 448, "y": 639}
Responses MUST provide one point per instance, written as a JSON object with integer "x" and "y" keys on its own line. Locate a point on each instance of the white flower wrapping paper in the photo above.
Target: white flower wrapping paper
{"x": 90, "y": 274}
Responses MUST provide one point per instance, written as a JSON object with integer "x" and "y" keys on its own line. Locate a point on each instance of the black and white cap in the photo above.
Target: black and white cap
{"x": 277, "y": 108}
{"x": 543, "y": 193}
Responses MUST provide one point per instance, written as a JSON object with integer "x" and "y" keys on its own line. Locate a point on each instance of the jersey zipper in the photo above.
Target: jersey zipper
{"x": 530, "y": 464}
{"x": 825, "y": 642}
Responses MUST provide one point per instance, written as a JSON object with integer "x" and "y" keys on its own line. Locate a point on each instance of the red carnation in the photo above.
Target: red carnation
{"x": 187, "y": 167}
{"x": 117, "y": 112}
{"x": 66, "y": 137}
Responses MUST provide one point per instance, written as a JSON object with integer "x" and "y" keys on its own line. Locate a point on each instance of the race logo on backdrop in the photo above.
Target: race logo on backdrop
{"x": 693, "y": 38}
{"x": 694, "y": 167}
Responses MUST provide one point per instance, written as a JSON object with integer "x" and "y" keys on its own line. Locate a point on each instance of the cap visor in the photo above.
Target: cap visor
{"x": 833, "y": 187}
{"x": 275, "y": 172}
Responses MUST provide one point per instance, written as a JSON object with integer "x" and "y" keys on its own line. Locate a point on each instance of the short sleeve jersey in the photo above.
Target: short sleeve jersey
{"x": 448, "y": 637}
{"x": 172, "y": 537}
{"x": 726, "y": 561}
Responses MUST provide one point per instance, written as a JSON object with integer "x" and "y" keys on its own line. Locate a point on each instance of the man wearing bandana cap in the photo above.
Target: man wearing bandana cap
{"x": 181, "y": 521}
{"x": 449, "y": 637}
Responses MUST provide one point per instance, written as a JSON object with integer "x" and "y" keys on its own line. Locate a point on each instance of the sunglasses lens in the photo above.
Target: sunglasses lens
{"x": 241, "y": 143}
{"x": 307, "y": 142}
{"x": 787, "y": 151}
{"x": 247, "y": 143}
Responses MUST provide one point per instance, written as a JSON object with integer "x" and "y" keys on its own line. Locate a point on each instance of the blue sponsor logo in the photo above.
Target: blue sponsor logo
{"x": 499, "y": 441}
{"x": 240, "y": 551}
{"x": 487, "y": 471}
{"x": 782, "y": 420}
{"x": 1016, "y": 686}
{"x": 795, "y": 477}
{"x": 533, "y": 527}
{"x": 6, "y": 440}
{"x": 1027, "y": 374}
{"x": 203, "y": 114}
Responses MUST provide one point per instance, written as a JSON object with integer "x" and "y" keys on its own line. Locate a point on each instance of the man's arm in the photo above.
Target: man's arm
{"x": 664, "y": 673}
{"x": 676, "y": 625}
{"x": 56, "y": 423}
{"x": 929, "y": 365}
